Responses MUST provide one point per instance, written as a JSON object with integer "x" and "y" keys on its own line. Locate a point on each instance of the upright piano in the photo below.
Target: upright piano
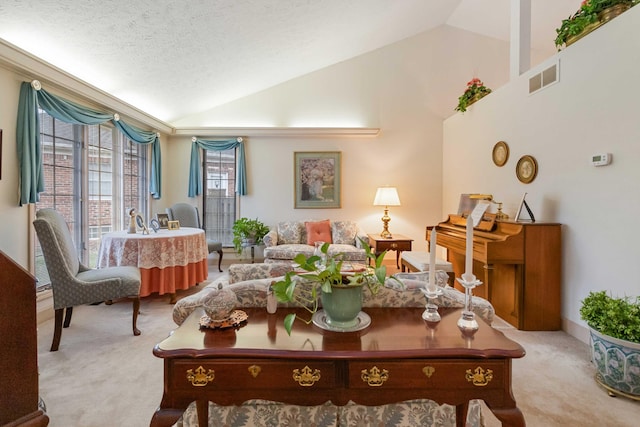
{"x": 519, "y": 265}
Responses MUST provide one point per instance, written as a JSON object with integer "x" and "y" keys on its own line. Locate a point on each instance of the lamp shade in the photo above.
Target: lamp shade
{"x": 386, "y": 196}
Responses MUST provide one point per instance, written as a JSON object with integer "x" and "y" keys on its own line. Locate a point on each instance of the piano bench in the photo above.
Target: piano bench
{"x": 419, "y": 261}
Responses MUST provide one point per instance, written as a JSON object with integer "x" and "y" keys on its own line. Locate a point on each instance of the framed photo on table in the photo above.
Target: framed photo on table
{"x": 163, "y": 220}
{"x": 173, "y": 225}
{"x": 317, "y": 179}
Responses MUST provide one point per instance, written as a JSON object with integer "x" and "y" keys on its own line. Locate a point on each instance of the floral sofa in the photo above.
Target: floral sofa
{"x": 251, "y": 288}
{"x": 289, "y": 238}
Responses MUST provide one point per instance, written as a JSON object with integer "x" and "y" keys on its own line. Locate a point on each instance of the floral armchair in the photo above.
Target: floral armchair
{"x": 253, "y": 293}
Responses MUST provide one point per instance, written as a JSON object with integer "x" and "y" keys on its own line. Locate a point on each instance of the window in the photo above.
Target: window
{"x": 220, "y": 201}
{"x": 91, "y": 175}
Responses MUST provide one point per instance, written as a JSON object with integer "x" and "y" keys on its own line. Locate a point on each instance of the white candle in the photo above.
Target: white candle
{"x": 468, "y": 270}
{"x": 432, "y": 261}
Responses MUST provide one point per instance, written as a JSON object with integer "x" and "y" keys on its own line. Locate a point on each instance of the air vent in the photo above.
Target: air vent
{"x": 543, "y": 79}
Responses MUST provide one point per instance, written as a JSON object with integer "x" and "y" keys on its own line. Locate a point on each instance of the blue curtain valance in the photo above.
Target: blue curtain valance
{"x": 195, "y": 177}
{"x": 28, "y": 137}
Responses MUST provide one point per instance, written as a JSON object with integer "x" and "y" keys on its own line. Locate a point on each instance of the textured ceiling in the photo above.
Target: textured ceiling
{"x": 174, "y": 58}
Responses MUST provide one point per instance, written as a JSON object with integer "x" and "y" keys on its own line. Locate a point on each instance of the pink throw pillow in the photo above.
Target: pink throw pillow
{"x": 318, "y": 232}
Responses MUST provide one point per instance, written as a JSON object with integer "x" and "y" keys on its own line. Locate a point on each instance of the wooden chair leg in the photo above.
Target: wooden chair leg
{"x": 57, "y": 331}
{"x": 136, "y": 310}
{"x": 219, "y": 260}
{"x": 67, "y": 317}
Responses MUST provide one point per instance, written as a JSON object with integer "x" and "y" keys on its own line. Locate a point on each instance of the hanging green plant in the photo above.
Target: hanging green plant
{"x": 475, "y": 91}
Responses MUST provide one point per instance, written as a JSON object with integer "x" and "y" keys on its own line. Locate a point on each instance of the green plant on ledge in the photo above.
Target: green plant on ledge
{"x": 321, "y": 273}
{"x": 597, "y": 6}
{"x": 573, "y": 26}
{"x": 616, "y": 317}
{"x": 248, "y": 231}
{"x": 587, "y": 18}
{"x": 475, "y": 91}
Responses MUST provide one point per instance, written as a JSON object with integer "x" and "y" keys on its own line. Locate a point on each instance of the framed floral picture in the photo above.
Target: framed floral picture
{"x": 317, "y": 179}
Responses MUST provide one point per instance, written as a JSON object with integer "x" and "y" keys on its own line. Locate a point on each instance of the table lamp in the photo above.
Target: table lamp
{"x": 386, "y": 196}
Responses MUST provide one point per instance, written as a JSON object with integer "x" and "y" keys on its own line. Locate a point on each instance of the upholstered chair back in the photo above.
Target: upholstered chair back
{"x": 185, "y": 213}
{"x": 59, "y": 252}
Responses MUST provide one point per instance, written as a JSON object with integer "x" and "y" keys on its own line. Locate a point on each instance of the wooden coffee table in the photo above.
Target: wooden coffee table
{"x": 396, "y": 358}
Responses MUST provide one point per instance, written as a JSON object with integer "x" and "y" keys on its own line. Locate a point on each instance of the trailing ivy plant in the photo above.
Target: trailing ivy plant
{"x": 615, "y": 317}
{"x": 319, "y": 273}
{"x": 586, "y": 15}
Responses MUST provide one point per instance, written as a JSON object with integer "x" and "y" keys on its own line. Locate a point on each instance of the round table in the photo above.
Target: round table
{"x": 168, "y": 260}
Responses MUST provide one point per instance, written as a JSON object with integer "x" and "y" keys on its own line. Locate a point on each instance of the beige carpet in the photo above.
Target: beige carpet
{"x": 103, "y": 376}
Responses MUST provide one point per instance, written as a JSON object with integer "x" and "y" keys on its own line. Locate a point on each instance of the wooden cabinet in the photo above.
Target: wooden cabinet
{"x": 19, "y": 350}
{"x": 520, "y": 267}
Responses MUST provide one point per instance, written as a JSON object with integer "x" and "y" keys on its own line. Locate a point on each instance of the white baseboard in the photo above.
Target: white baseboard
{"x": 576, "y": 330}
{"x": 44, "y": 305}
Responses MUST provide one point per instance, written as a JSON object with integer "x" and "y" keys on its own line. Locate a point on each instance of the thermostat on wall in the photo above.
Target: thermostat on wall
{"x": 601, "y": 159}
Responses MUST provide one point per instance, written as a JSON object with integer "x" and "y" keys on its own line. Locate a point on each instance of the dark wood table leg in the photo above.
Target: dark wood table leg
{"x": 511, "y": 417}
{"x": 165, "y": 417}
{"x": 509, "y": 414}
{"x": 202, "y": 407}
{"x": 461, "y": 414}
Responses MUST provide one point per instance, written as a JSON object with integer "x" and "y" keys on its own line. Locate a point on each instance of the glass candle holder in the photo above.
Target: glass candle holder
{"x": 431, "y": 315}
{"x": 467, "y": 322}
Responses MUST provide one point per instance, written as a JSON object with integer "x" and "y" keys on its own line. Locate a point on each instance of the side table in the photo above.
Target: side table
{"x": 396, "y": 243}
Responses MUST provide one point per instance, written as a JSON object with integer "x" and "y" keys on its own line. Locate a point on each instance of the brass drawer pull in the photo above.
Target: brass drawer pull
{"x": 200, "y": 378}
{"x": 479, "y": 377}
{"x": 254, "y": 370}
{"x": 306, "y": 378}
{"x": 374, "y": 377}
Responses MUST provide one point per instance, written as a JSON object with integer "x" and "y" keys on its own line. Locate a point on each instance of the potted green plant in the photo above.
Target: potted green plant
{"x": 590, "y": 15}
{"x": 475, "y": 90}
{"x": 606, "y": 9}
{"x": 247, "y": 231}
{"x": 321, "y": 277}
{"x": 614, "y": 325}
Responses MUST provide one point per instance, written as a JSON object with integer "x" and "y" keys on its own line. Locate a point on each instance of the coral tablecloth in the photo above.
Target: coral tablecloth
{"x": 168, "y": 260}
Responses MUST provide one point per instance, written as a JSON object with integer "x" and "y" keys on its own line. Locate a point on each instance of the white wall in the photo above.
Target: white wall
{"x": 399, "y": 89}
{"x": 14, "y": 220}
{"x": 592, "y": 109}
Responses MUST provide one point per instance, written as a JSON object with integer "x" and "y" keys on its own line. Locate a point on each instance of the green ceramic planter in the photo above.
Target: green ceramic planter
{"x": 342, "y": 305}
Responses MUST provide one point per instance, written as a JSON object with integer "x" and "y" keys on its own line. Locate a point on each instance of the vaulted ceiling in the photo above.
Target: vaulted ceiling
{"x": 173, "y": 59}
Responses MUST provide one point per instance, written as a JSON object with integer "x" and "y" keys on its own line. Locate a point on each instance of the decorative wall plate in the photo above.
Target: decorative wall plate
{"x": 527, "y": 169}
{"x": 500, "y": 153}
